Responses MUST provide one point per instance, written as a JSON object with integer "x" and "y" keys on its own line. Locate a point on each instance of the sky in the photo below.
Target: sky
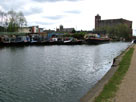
{"x": 80, "y": 14}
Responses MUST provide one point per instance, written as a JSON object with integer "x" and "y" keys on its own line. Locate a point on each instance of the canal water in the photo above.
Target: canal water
{"x": 53, "y": 73}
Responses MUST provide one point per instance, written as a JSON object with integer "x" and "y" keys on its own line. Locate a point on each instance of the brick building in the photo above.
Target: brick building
{"x": 111, "y": 22}
{"x": 62, "y": 29}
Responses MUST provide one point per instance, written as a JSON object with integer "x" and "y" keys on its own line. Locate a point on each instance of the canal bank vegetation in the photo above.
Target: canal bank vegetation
{"x": 76, "y": 35}
{"x": 117, "y": 32}
{"x": 111, "y": 87}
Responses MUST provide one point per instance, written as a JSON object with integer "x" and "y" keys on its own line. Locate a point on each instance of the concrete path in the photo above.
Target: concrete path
{"x": 127, "y": 89}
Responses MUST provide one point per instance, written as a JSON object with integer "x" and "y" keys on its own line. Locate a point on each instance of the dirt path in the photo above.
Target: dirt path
{"x": 127, "y": 89}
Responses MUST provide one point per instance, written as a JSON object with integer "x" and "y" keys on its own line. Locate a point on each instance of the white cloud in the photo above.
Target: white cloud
{"x": 79, "y": 14}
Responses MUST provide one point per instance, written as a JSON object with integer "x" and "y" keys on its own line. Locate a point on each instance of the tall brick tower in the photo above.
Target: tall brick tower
{"x": 97, "y": 19}
{"x": 61, "y": 27}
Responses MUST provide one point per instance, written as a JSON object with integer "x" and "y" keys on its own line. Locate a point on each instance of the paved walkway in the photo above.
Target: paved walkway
{"x": 127, "y": 89}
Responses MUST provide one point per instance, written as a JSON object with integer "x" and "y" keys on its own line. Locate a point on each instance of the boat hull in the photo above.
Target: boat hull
{"x": 96, "y": 41}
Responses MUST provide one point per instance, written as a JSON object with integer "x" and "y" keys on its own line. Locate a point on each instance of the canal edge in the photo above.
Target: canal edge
{"x": 98, "y": 87}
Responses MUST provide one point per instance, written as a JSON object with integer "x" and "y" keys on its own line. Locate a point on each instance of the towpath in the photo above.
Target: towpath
{"x": 127, "y": 88}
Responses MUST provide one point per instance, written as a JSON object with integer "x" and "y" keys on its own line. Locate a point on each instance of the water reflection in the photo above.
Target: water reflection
{"x": 53, "y": 73}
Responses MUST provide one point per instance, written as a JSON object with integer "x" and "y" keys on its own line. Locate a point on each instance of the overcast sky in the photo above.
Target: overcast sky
{"x": 79, "y": 14}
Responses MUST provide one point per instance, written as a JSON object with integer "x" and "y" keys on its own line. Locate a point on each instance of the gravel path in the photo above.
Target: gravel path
{"x": 127, "y": 89}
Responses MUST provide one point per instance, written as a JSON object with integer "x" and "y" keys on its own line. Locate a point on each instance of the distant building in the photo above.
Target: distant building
{"x": 41, "y": 30}
{"x": 32, "y": 29}
{"x": 35, "y": 29}
{"x": 24, "y": 30}
{"x": 49, "y": 31}
{"x": 61, "y": 29}
{"x": 111, "y": 22}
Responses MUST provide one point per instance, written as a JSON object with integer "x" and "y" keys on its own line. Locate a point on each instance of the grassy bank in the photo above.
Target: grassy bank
{"x": 111, "y": 87}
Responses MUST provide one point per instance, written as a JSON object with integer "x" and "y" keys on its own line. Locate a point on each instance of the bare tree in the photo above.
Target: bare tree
{"x": 16, "y": 20}
{"x": 21, "y": 20}
{"x": 12, "y": 20}
{"x": 2, "y": 16}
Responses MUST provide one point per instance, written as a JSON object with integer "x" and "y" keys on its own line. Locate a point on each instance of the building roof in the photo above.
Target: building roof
{"x": 119, "y": 19}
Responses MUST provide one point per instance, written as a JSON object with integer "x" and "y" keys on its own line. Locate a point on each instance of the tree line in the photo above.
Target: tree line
{"x": 118, "y": 32}
{"x": 11, "y": 21}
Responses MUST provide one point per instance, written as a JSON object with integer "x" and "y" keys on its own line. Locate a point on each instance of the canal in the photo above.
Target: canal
{"x": 53, "y": 73}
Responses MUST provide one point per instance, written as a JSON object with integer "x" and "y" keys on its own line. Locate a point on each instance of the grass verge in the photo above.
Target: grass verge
{"x": 111, "y": 87}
